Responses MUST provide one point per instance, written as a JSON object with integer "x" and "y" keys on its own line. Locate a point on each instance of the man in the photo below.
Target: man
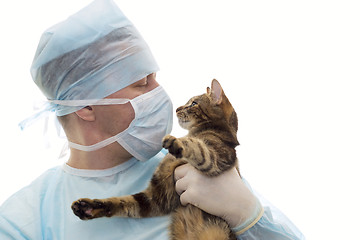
{"x": 100, "y": 78}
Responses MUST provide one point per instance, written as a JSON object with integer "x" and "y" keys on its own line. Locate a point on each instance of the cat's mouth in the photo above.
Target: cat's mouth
{"x": 183, "y": 120}
{"x": 184, "y": 123}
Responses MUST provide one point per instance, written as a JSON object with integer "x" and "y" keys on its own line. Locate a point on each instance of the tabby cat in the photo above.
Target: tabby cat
{"x": 209, "y": 146}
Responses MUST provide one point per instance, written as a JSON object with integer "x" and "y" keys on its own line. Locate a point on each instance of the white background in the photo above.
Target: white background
{"x": 290, "y": 68}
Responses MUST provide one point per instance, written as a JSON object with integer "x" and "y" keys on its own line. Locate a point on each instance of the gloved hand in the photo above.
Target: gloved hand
{"x": 225, "y": 196}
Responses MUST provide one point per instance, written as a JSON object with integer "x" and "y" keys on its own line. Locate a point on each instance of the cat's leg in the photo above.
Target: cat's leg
{"x": 210, "y": 157}
{"x": 158, "y": 199}
{"x": 134, "y": 206}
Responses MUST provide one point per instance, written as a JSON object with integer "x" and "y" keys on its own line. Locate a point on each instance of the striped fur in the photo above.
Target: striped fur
{"x": 209, "y": 147}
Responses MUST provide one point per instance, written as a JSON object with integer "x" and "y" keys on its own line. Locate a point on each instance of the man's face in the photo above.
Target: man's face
{"x": 113, "y": 119}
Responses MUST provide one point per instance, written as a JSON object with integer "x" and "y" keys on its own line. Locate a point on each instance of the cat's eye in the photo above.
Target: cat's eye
{"x": 193, "y": 104}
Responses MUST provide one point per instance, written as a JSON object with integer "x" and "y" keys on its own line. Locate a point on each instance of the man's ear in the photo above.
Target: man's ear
{"x": 86, "y": 114}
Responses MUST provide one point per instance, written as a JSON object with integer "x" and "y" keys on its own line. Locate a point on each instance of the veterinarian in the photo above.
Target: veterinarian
{"x": 100, "y": 78}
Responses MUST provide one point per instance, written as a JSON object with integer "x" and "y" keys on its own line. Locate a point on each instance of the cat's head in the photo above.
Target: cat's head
{"x": 210, "y": 107}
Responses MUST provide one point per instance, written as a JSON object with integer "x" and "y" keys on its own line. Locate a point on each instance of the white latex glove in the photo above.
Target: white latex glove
{"x": 225, "y": 196}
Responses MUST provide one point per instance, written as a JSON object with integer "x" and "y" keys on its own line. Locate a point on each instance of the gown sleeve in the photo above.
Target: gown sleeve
{"x": 273, "y": 225}
{"x": 20, "y": 213}
{"x": 8, "y": 231}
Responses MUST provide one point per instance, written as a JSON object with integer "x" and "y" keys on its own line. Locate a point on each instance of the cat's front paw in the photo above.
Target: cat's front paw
{"x": 174, "y": 146}
{"x": 87, "y": 209}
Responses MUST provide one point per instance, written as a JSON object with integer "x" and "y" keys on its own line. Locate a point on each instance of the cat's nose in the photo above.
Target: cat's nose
{"x": 179, "y": 109}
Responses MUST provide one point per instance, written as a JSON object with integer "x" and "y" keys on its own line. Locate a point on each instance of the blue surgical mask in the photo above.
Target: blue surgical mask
{"x": 153, "y": 120}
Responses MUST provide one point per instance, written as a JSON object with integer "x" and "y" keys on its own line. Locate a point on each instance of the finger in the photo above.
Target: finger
{"x": 181, "y": 185}
{"x": 183, "y": 199}
{"x": 181, "y": 171}
{"x": 186, "y": 198}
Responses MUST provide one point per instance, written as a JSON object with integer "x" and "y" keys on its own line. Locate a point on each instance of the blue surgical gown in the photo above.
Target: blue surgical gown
{"x": 42, "y": 210}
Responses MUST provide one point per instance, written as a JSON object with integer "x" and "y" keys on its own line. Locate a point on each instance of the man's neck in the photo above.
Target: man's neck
{"x": 107, "y": 157}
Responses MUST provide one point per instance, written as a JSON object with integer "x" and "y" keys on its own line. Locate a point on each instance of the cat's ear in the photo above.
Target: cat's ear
{"x": 216, "y": 92}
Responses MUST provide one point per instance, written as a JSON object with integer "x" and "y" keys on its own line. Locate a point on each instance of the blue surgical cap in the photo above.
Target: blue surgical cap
{"x": 94, "y": 53}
